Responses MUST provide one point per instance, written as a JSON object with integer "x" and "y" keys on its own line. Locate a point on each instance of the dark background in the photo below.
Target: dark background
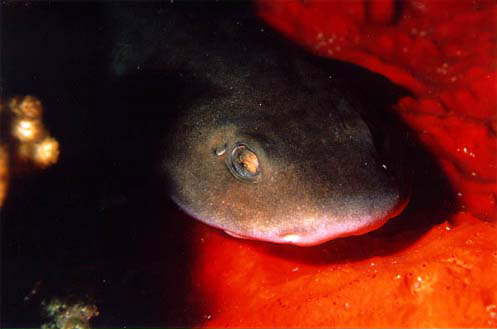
{"x": 96, "y": 226}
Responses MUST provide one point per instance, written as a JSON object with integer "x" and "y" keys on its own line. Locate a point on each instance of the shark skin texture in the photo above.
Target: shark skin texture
{"x": 426, "y": 268}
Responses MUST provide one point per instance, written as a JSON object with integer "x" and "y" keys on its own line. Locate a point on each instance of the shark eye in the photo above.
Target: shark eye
{"x": 243, "y": 163}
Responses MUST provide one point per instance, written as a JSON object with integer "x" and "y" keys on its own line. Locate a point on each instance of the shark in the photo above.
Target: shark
{"x": 268, "y": 141}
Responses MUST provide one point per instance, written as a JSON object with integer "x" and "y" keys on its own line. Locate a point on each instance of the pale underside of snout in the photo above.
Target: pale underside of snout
{"x": 328, "y": 229}
{"x": 299, "y": 225}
